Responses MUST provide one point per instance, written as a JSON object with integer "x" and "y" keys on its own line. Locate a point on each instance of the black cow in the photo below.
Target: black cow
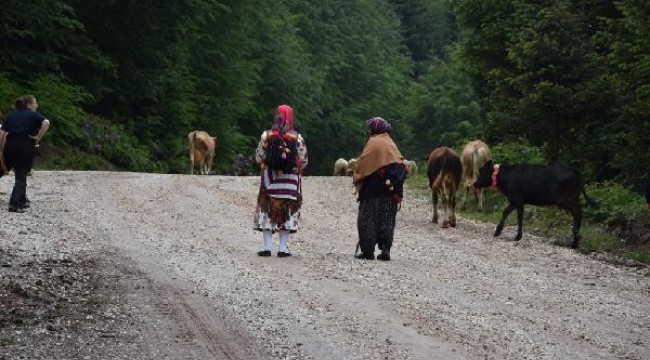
{"x": 537, "y": 185}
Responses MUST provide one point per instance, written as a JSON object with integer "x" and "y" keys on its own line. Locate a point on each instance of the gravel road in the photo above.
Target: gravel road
{"x": 112, "y": 265}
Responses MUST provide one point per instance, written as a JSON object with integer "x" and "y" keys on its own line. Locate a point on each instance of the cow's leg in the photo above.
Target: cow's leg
{"x": 208, "y": 165}
{"x": 434, "y": 198}
{"x": 520, "y": 220}
{"x": 191, "y": 162}
{"x": 445, "y": 207}
{"x": 468, "y": 189}
{"x": 506, "y": 212}
{"x": 479, "y": 194}
{"x": 576, "y": 212}
{"x": 452, "y": 208}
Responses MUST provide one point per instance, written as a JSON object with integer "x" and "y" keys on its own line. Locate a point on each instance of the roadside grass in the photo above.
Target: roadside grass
{"x": 555, "y": 223}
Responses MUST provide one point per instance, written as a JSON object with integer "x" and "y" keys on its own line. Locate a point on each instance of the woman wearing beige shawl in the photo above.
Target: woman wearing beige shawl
{"x": 378, "y": 199}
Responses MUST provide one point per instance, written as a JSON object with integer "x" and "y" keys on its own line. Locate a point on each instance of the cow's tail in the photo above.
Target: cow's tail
{"x": 476, "y": 158}
{"x": 589, "y": 201}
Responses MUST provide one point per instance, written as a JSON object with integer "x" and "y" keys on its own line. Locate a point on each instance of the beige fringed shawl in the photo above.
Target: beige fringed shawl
{"x": 380, "y": 150}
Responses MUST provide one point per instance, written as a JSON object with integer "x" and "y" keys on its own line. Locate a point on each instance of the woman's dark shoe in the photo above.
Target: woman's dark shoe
{"x": 264, "y": 253}
{"x": 283, "y": 254}
{"x": 16, "y": 210}
{"x": 385, "y": 256}
{"x": 364, "y": 256}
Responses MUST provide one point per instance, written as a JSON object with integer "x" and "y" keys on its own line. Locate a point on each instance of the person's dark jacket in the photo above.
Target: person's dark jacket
{"x": 374, "y": 186}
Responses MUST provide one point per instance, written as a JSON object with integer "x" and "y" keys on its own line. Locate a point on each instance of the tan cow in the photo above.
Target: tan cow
{"x": 474, "y": 156}
{"x": 202, "y": 147}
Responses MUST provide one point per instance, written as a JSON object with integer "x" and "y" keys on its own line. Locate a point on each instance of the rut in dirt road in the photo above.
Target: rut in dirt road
{"x": 447, "y": 294}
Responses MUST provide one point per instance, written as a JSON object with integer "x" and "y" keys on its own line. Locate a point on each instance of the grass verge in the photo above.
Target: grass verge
{"x": 551, "y": 222}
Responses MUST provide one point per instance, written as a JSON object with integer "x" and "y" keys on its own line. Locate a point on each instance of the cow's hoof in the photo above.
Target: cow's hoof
{"x": 364, "y": 256}
{"x": 445, "y": 224}
{"x": 384, "y": 256}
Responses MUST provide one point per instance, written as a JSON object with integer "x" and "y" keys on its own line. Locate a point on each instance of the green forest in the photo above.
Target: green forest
{"x": 124, "y": 81}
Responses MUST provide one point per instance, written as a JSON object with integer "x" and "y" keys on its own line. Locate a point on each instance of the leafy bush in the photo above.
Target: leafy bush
{"x": 111, "y": 141}
{"x": 616, "y": 203}
{"x": 515, "y": 153}
{"x": 73, "y": 160}
{"x": 61, "y": 102}
{"x": 9, "y": 91}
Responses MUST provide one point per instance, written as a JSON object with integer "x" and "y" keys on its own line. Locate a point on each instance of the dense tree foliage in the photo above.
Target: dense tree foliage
{"x": 124, "y": 81}
{"x": 546, "y": 72}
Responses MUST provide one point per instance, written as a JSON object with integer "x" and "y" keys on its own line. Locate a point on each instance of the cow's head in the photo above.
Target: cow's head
{"x": 485, "y": 175}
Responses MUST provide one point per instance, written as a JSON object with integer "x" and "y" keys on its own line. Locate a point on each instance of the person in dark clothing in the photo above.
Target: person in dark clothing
{"x": 647, "y": 191}
{"x": 378, "y": 198}
{"x": 22, "y": 131}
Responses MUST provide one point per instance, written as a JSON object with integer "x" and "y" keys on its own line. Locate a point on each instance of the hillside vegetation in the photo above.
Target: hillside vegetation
{"x": 123, "y": 82}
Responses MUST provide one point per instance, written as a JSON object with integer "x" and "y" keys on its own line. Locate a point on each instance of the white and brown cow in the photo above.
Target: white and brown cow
{"x": 412, "y": 166}
{"x": 352, "y": 165}
{"x": 202, "y": 149}
{"x": 341, "y": 167}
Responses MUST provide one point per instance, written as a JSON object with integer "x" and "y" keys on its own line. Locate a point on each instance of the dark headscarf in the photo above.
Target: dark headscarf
{"x": 378, "y": 126}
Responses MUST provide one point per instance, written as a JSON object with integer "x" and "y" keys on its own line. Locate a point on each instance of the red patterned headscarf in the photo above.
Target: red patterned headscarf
{"x": 378, "y": 125}
{"x": 283, "y": 118}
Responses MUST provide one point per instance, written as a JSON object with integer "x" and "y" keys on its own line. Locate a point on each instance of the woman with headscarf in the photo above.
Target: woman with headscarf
{"x": 21, "y": 133}
{"x": 280, "y": 196}
{"x": 378, "y": 198}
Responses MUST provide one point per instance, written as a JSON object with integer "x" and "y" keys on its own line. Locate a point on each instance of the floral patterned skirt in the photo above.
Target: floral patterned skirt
{"x": 277, "y": 214}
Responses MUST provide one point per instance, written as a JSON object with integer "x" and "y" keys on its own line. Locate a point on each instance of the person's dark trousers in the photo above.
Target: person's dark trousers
{"x": 19, "y": 193}
{"x": 376, "y": 224}
{"x": 19, "y": 155}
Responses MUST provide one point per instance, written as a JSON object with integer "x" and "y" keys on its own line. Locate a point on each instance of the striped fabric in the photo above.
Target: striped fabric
{"x": 284, "y": 186}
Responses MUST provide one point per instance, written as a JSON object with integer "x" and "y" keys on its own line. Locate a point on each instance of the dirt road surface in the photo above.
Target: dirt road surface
{"x": 109, "y": 265}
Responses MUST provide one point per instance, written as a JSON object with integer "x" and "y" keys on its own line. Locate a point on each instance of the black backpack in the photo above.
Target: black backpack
{"x": 282, "y": 152}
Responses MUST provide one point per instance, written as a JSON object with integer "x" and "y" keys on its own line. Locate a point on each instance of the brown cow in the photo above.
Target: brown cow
{"x": 444, "y": 171}
{"x": 474, "y": 156}
{"x": 202, "y": 147}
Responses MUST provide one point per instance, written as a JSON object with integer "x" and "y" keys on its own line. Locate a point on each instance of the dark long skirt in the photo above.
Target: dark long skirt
{"x": 376, "y": 224}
